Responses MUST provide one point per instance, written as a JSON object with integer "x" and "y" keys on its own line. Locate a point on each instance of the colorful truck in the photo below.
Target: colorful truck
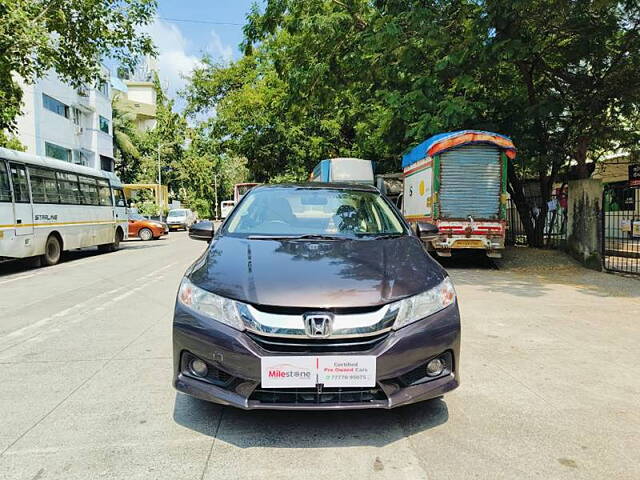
{"x": 458, "y": 181}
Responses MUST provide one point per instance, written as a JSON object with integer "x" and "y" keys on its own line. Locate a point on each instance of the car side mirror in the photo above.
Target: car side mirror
{"x": 426, "y": 231}
{"x": 203, "y": 230}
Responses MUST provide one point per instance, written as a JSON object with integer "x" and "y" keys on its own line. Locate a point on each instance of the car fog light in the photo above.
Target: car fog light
{"x": 435, "y": 367}
{"x": 198, "y": 367}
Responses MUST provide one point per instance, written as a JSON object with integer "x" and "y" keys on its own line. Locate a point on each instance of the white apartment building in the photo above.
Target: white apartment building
{"x": 137, "y": 98}
{"x": 69, "y": 124}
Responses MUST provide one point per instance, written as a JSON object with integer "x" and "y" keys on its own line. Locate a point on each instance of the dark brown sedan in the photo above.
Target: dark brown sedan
{"x": 316, "y": 296}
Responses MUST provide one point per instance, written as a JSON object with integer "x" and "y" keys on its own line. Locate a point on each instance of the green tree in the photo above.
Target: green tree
{"x": 324, "y": 78}
{"x": 69, "y": 37}
{"x": 125, "y": 141}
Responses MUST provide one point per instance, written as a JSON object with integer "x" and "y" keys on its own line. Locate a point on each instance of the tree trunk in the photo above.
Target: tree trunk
{"x": 582, "y": 146}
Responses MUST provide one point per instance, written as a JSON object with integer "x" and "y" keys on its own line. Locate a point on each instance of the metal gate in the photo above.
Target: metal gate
{"x": 621, "y": 228}
{"x": 555, "y": 226}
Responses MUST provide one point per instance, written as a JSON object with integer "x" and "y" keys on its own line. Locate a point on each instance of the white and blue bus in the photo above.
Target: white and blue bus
{"x": 48, "y": 206}
{"x": 343, "y": 170}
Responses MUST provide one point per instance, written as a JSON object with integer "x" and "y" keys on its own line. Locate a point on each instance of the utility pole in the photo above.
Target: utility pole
{"x": 215, "y": 196}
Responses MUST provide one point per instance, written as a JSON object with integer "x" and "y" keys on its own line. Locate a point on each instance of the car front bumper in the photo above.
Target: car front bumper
{"x": 234, "y": 357}
{"x": 175, "y": 226}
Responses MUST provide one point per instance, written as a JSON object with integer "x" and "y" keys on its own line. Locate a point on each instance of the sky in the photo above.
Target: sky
{"x": 184, "y": 30}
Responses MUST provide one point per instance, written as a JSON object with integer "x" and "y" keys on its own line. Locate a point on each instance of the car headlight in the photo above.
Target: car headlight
{"x": 424, "y": 304}
{"x": 222, "y": 309}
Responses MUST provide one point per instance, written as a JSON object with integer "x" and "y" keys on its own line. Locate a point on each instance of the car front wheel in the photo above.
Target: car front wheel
{"x": 145, "y": 234}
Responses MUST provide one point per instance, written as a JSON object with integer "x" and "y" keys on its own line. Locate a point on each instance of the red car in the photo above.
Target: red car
{"x": 146, "y": 229}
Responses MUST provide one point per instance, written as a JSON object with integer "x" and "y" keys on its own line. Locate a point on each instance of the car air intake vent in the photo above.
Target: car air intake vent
{"x": 310, "y": 345}
{"x": 301, "y": 310}
{"x": 313, "y": 396}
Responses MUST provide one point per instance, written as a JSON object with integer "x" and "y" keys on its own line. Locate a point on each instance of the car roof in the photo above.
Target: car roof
{"x": 360, "y": 187}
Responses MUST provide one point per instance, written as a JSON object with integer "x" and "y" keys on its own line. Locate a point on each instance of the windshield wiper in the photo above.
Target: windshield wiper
{"x": 377, "y": 236}
{"x": 311, "y": 236}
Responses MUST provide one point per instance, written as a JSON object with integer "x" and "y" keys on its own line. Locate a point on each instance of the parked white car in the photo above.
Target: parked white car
{"x": 180, "y": 218}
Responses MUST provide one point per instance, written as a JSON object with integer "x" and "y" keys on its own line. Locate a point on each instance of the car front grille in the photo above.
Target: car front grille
{"x": 314, "y": 396}
{"x": 310, "y": 345}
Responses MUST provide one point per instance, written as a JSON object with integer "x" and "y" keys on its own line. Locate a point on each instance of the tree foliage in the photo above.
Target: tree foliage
{"x": 324, "y": 78}
{"x": 69, "y": 37}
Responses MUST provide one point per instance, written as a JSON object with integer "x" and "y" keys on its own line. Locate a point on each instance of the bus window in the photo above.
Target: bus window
{"x": 44, "y": 187}
{"x": 118, "y": 194}
{"x": 89, "y": 190}
{"x": 69, "y": 189}
{"x": 104, "y": 193}
{"x": 5, "y": 190}
{"x": 20, "y": 183}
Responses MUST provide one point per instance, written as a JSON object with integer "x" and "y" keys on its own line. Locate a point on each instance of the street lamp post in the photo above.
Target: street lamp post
{"x": 215, "y": 197}
{"x": 159, "y": 184}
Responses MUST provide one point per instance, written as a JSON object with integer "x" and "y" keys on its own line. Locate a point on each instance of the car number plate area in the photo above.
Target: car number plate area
{"x": 309, "y": 371}
{"x": 468, "y": 244}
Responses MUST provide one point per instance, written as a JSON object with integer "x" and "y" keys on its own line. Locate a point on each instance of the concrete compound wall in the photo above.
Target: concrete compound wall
{"x": 584, "y": 225}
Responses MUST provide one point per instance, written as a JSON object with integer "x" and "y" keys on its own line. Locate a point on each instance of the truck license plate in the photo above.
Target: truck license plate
{"x": 309, "y": 371}
{"x": 468, "y": 244}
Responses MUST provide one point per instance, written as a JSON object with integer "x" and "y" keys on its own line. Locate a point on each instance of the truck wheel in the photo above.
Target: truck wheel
{"x": 52, "y": 251}
{"x": 145, "y": 234}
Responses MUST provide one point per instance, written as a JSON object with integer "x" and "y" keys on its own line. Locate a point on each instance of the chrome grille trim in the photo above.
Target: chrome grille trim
{"x": 344, "y": 325}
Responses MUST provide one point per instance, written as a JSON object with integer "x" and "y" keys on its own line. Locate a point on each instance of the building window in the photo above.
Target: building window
{"x": 77, "y": 116}
{"x": 104, "y": 124}
{"x": 103, "y": 87}
{"x": 80, "y": 158}
{"x": 106, "y": 163}
{"x": 55, "y": 106}
{"x": 56, "y": 151}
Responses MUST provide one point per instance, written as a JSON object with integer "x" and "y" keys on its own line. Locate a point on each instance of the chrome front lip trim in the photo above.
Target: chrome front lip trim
{"x": 344, "y": 325}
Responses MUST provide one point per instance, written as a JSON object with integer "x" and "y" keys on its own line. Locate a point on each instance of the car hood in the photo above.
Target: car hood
{"x": 316, "y": 274}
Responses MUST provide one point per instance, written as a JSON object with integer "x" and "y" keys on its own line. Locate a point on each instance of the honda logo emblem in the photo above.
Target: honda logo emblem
{"x": 318, "y": 325}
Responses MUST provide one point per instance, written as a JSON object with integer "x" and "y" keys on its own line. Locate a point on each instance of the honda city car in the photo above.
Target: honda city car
{"x": 316, "y": 296}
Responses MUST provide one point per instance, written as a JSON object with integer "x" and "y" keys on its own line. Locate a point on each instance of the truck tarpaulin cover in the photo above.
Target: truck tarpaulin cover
{"x": 446, "y": 141}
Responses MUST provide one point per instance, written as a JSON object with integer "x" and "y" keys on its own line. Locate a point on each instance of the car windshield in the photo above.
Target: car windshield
{"x": 313, "y": 211}
{"x": 177, "y": 213}
{"x": 136, "y": 216}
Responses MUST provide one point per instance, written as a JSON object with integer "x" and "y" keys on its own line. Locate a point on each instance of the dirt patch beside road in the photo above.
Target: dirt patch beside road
{"x": 556, "y": 267}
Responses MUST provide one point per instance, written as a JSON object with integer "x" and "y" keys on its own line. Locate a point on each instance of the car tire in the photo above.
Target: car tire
{"x": 52, "y": 251}
{"x": 145, "y": 234}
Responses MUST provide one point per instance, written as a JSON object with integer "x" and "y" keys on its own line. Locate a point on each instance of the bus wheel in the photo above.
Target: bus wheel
{"x": 145, "y": 234}
{"x": 52, "y": 251}
{"x": 116, "y": 243}
{"x": 112, "y": 247}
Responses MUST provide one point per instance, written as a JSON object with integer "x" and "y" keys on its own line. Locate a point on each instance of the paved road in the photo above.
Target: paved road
{"x": 550, "y": 384}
